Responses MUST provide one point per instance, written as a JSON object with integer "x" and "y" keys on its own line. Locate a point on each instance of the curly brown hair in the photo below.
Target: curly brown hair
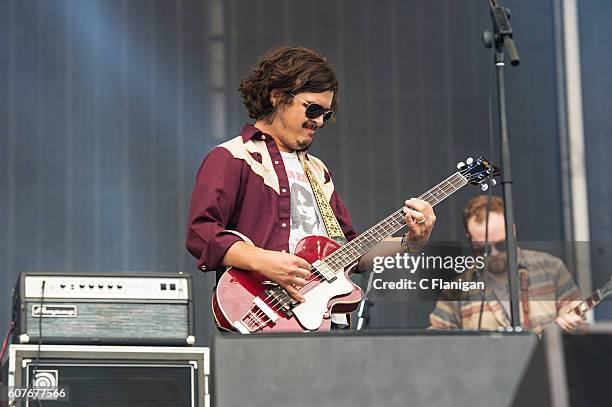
{"x": 285, "y": 70}
{"x": 477, "y": 208}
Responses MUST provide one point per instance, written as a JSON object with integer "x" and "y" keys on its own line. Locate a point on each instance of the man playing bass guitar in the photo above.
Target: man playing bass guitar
{"x": 255, "y": 195}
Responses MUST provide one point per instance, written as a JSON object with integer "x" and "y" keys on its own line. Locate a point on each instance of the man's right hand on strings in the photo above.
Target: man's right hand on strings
{"x": 289, "y": 271}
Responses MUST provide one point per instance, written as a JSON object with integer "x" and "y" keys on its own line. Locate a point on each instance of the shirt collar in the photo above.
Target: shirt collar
{"x": 251, "y": 132}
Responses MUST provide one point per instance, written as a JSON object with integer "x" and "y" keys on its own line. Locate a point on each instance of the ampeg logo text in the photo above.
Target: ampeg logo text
{"x": 55, "y": 311}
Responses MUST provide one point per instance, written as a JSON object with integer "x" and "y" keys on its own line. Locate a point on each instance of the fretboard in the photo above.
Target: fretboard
{"x": 353, "y": 250}
{"x": 591, "y": 302}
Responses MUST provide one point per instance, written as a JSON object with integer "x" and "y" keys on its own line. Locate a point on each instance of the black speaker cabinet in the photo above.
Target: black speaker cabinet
{"x": 588, "y": 361}
{"x": 371, "y": 369}
{"x": 107, "y": 376}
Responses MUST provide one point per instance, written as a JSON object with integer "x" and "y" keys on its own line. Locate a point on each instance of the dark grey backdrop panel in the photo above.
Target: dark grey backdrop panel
{"x": 105, "y": 117}
{"x": 595, "y": 31}
{"x": 381, "y": 370}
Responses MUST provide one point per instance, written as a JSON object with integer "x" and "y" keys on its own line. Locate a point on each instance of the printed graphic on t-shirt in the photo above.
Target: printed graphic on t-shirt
{"x": 305, "y": 217}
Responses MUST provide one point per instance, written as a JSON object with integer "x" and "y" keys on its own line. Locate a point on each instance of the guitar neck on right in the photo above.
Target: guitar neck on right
{"x": 586, "y": 305}
{"x": 593, "y": 300}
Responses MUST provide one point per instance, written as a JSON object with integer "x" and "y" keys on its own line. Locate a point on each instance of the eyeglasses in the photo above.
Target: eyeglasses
{"x": 479, "y": 248}
{"x": 314, "y": 110}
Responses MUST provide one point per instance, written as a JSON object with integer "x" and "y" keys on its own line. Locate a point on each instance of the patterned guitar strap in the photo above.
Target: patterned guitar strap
{"x": 334, "y": 231}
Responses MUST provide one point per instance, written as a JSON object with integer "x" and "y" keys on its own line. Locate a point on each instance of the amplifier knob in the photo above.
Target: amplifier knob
{"x": 91, "y": 286}
{"x": 120, "y": 286}
{"x": 110, "y": 286}
{"x": 63, "y": 285}
{"x": 100, "y": 285}
{"x": 81, "y": 285}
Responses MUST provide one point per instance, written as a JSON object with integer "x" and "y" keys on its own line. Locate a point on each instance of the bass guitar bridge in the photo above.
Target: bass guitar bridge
{"x": 283, "y": 302}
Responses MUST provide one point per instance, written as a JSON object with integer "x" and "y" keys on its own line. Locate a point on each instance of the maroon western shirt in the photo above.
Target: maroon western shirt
{"x": 242, "y": 193}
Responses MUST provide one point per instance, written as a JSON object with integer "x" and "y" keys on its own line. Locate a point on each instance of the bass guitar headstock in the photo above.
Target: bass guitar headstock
{"x": 479, "y": 172}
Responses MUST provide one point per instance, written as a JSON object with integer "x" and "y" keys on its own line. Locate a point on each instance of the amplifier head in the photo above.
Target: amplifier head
{"x": 104, "y": 308}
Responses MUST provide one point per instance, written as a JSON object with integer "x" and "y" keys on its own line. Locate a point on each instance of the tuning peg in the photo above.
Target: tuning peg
{"x": 469, "y": 161}
{"x": 460, "y": 165}
{"x": 484, "y": 187}
{"x": 493, "y": 182}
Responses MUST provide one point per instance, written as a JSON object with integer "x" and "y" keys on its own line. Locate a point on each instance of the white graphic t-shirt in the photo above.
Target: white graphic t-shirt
{"x": 306, "y": 218}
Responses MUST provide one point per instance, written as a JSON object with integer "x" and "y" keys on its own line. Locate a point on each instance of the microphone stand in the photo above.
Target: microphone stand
{"x": 501, "y": 40}
{"x": 363, "y": 314}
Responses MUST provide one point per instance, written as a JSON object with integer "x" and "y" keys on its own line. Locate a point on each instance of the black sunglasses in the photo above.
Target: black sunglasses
{"x": 499, "y": 246}
{"x": 314, "y": 110}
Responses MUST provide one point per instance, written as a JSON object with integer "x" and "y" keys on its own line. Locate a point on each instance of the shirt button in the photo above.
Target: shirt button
{"x": 284, "y": 190}
{"x": 284, "y": 225}
{"x": 263, "y": 137}
{"x": 284, "y": 251}
{"x": 276, "y": 162}
{"x": 203, "y": 268}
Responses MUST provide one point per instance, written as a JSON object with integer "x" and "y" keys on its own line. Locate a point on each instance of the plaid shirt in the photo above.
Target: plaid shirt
{"x": 551, "y": 293}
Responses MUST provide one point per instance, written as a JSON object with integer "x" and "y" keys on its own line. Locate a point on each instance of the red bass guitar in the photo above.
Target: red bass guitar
{"x": 244, "y": 301}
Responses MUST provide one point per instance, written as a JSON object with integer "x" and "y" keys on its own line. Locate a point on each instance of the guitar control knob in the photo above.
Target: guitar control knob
{"x": 493, "y": 182}
{"x": 469, "y": 161}
{"x": 484, "y": 187}
{"x": 460, "y": 165}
